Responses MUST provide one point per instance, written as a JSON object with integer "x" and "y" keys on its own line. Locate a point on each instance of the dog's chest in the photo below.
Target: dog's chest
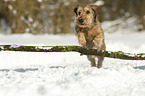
{"x": 90, "y": 35}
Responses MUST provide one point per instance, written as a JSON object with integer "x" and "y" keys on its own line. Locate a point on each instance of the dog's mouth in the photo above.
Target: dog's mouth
{"x": 83, "y": 25}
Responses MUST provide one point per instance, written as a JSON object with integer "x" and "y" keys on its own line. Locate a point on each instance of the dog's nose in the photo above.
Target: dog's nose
{"x": 81, "y": 20}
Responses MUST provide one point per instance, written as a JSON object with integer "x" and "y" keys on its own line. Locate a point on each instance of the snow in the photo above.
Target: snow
{"x": 99, "y": 3}
{"x": 69, "y": 74}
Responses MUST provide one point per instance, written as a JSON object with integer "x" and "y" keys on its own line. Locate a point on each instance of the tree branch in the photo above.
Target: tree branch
{"x": 82, "y": 50}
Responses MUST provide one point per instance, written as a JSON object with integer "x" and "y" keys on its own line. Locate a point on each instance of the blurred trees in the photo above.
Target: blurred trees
{"x": 39, "y": 16}
{"x": 114, "y": 9}
{"x": 21, "y": 15}
{"x": 56, "y": 16}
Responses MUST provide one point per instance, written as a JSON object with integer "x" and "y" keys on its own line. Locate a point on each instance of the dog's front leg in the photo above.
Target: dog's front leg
{"x": 81, "y": 38}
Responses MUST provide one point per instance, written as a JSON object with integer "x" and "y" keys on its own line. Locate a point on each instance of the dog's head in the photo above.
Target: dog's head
{"x": 86, "y": 15}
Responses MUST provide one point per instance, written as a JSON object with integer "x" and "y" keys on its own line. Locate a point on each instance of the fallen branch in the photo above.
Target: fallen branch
{"x": 82, "y": 50}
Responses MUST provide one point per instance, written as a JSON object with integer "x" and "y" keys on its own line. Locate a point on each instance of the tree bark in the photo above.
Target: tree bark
{"x": 82, "y": 50}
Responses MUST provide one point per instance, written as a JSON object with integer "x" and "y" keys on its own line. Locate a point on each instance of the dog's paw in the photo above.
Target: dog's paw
{"x": 83, "y": 43}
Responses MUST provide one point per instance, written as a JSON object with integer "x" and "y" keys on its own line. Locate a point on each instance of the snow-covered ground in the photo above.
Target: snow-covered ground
{"x": 69, "y": 74}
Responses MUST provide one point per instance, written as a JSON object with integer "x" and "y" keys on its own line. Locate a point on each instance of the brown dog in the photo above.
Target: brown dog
{"x": 89, "y": 31}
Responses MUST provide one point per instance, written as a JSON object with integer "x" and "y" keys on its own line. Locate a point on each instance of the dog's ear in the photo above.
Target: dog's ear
{"x": 95, "y": 8}
{"x": 75, "y": 10}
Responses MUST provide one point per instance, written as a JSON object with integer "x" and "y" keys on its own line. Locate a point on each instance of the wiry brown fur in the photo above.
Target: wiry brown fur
{"x": 89, "y": 31}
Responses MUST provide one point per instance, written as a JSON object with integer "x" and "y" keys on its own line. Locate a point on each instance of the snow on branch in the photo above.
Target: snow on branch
{"x": 82, "y": 50}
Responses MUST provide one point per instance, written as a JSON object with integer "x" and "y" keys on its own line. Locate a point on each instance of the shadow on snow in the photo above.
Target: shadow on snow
{"x": 140, "y": 67}
{"x": 22, "y": 70}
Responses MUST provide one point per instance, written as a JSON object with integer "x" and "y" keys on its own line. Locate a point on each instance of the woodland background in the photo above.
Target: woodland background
{"x": 68, "y": 73}
{"x": 57, "y": 16}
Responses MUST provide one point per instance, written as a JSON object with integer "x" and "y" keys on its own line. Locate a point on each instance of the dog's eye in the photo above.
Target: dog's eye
{"x": 88, "y": 12}
{"x": 79, "y": 13}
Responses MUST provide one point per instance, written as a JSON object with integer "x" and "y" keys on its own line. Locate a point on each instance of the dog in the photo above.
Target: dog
{"x": 89, "y": 31}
